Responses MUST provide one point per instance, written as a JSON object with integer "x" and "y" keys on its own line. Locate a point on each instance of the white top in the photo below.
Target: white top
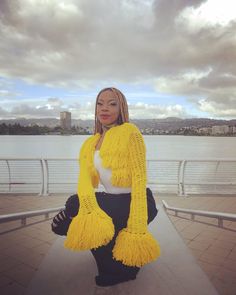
{"x": 105, "y": 177}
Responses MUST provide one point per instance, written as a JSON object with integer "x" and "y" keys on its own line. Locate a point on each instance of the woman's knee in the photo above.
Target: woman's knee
{"x": 152, "y": 210}
{"x": 72, "y": 205}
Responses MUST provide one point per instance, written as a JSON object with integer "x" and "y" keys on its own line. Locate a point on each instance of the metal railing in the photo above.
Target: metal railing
{"x": 24, "y": 215}
{"x": 219, "y": 215}
{"x": 60, "y": 175}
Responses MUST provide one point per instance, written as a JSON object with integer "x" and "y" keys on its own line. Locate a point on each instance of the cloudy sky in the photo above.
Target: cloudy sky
{"x": 169, "y": 58}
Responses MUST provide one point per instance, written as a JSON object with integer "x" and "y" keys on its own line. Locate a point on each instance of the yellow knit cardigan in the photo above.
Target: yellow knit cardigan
{"x": 123, "y": 150}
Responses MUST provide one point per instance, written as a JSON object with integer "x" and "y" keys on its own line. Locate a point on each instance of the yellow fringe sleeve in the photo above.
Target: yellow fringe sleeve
{"x": 135, "y": 245}
{"x": 92, "y": 227}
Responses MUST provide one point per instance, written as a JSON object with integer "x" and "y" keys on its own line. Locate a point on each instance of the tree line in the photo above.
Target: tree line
{"x": 17, "y": 129}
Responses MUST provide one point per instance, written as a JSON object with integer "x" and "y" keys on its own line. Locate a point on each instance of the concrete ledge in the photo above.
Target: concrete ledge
{"x": 175, "y": 272}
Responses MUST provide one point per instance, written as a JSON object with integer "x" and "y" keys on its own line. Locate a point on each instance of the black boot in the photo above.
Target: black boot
{"x": 61, "y": 223}
{"x": 110, "y": 280}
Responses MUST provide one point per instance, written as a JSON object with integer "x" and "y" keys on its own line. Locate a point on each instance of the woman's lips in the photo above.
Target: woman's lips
{"x": 104, "y": 116}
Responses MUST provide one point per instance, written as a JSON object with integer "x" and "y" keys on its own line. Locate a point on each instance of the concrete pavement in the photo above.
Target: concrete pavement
{"x": 24, "y": 248}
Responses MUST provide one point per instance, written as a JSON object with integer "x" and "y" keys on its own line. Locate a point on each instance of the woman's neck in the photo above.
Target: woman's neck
{"x": 108, "y": 126}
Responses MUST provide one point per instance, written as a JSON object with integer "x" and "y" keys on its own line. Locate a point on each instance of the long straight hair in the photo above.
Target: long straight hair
{"x": 124, "y": 113}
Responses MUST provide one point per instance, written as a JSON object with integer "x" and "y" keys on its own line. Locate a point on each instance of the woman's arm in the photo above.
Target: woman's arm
{"x": 135, "y": 245}
{"x": 137, "y": 221}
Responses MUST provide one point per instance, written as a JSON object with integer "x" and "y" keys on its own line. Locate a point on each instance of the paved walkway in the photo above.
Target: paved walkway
{"x": 176, "y": 272}
{"x": 214, "y": 247}
{"x": 23, "y": 248}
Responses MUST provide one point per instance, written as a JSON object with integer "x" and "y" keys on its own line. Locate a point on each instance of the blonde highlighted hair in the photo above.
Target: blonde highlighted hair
{"x": 124, "y": 113}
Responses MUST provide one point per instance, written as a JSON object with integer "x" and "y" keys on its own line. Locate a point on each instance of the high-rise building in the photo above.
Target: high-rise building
{"x": 220, "y": 129}
{"x": 65, "y": 120}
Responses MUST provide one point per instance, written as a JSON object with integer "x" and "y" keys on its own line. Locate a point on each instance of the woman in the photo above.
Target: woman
{"x": 112, "y": 224}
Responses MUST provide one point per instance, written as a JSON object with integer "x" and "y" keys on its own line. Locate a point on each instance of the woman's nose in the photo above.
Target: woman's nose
{"x": 104, "y": 107}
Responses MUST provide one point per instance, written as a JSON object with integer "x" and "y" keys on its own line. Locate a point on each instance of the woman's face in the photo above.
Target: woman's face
{"x": 108, "y": 108}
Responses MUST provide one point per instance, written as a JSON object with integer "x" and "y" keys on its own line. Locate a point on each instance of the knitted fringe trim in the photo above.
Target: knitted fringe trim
{"x": 89, "y": 231}
{"x": 135, "y": 249}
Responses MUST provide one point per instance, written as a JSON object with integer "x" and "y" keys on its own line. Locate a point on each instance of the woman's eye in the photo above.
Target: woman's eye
{"x": 113, "y": 104}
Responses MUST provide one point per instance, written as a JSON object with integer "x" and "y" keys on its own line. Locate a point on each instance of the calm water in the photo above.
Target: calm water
{"x": 158, "y": 146}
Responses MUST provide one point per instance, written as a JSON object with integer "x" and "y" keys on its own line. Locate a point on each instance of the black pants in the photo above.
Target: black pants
{"x": 117, "y": 206}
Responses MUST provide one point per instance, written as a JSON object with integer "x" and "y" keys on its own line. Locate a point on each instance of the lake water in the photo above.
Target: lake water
{"x": 158, "y": 146}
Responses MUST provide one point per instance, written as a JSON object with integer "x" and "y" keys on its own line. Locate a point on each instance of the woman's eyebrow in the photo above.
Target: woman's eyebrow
{"x": 100, "y": 99}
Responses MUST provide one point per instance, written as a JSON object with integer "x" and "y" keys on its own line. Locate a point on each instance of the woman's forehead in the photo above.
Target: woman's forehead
{"x": 107, "y": 95}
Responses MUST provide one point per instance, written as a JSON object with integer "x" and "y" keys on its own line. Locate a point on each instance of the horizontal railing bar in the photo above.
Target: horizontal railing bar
{"x": 4, "y": 183}
{"x": 194, "y": 160}
{"x": 149, "y": 159}
{"x": 24, "y": 215}
{"x": 205, "y": 182}
{"x": 213, "y": 183}
{"x": 182, "y": 173}
{"x": 227, "y": 216}
{"x": 173, "y": 183}
{"x": 33, "y": 159}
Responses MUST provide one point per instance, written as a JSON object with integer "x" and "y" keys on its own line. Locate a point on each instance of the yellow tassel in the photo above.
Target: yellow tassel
{"x": 135, "y": 249}
{"x": 89, "y": 231}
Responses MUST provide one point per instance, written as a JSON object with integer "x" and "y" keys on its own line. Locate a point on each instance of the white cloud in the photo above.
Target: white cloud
{"x": 182, "y": 84}
{"x": 217, "y": 109}
{"x": 210, "y": 14}
{"x": 55, "y": 102}
{"x": 178, "y": 47}
{"x": 150, "y": 111}
{"x": 86, "y": 110}
{"x": 5, "y": 93}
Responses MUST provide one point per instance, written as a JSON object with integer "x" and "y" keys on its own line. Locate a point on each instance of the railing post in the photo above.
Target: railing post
{"x": 181, "y": 178}
{"x": 44, "y": 178}
{"x": 220, "y": 222}
{"x": 217, "y": 166}
{"x": 23, "y": 221}
{"x": 46, "y": 193}
{"x": 9, "y": 176}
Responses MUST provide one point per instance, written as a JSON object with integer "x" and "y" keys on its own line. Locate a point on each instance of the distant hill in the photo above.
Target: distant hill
{"x": 50, "y": 122}
{"x": 170, "y": 123}
{"x": 176, "y": 123}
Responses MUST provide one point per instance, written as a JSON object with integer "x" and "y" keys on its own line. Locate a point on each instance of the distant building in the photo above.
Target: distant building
{"x": 65, "y": 120}
{"x": 220, "y": 129}
{"x": 205, "y": 130}
{"x": 232, "y": 129}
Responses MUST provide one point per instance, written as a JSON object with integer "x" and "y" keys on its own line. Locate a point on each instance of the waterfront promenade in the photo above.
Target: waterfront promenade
{"x": 23, "y": 249}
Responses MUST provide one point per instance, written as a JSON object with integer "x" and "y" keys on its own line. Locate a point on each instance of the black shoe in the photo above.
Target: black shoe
{"x": 60, "y": 223}
{"x": 110, "y": 280}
